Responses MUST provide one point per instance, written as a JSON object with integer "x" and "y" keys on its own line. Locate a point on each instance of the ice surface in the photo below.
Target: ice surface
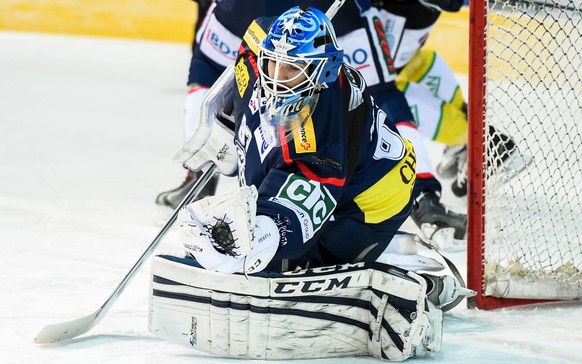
{"x": 88, "y": 128}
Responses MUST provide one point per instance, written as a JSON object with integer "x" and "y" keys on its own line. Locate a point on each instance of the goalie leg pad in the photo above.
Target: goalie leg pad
{"x": 348, "y": 310}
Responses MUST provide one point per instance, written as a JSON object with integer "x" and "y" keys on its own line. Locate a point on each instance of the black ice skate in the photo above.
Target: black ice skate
{"x": 446, "y": 292}
{"x": 504, "y": 160}
{"x": 459, "y": 185}
{"x": 445, "y": 228}
{"x": 172, "y": 198}
{"x": 449, "y": 164}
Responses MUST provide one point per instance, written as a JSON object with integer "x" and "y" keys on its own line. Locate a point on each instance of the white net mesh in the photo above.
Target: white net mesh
{"x": 533, "y": 219}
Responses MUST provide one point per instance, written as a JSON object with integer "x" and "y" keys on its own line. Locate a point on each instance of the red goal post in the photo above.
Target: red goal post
{"x": 525, "y": 81}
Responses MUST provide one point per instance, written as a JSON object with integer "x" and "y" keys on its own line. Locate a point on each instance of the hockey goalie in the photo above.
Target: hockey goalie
{"x": 293, "y": 263}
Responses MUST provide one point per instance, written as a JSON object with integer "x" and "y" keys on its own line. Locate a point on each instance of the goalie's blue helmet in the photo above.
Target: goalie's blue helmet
{"x": 304, "y": 40}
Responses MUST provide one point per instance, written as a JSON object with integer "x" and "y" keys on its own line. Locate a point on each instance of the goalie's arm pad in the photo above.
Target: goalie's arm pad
{"x": 213, "y": 138}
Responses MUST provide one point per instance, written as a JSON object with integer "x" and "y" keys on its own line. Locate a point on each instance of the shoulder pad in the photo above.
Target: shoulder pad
{"x": 256, "y": 33}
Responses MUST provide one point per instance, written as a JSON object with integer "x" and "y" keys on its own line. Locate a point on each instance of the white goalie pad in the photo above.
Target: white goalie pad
{"x": 338, "y": 311}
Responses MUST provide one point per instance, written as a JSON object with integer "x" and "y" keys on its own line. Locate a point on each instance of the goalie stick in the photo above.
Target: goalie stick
{"x": 334, "y": 8}
{"x": 67, "y": 330}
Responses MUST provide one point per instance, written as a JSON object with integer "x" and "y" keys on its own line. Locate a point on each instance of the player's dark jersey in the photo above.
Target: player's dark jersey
{"x": 348, "y": 161}
{"x": 227, "y": 21}
{"x": 358, "y": 27}
{"x": 237, "y": 15}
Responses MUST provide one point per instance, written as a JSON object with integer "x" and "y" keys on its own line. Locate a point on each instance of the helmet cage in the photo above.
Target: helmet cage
{"x": 283, "y": 99}
{"x": 280, "y": 129}
{"x": 303, "y": 57}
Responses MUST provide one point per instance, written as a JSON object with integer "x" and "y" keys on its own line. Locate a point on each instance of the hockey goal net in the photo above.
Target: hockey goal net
{"x": 525, "y": 83}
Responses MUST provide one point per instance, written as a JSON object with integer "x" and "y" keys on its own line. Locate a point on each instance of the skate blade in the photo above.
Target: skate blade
{"x": 516, "y": 163}
{"x": 444, "y": 238}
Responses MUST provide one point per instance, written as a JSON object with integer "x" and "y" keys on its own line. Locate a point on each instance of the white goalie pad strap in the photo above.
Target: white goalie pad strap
{"x": 403, "y": 252}
{"x": 348, "y": 310}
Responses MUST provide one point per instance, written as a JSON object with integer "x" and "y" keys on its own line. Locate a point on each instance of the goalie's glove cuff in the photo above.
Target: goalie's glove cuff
{"x": 264, "y": 245}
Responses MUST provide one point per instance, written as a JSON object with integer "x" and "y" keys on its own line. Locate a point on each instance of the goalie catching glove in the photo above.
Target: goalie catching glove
{"x": 224, "y": 234}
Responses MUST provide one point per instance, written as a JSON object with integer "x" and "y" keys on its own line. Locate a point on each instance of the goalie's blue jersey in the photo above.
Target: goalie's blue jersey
{"x": 347, "y": 163}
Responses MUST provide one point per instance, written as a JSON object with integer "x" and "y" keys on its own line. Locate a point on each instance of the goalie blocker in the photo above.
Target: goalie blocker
{"x": 337, "y": 311}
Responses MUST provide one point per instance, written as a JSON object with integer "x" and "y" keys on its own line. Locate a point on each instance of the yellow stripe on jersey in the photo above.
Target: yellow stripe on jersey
{"x": 304, "y": 137}
{"x": 458, "y": 99}
{"x": 254, "y": 36}
{"x": 391, "y": 193}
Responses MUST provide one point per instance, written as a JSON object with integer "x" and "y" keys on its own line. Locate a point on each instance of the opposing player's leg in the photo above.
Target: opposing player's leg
{"x": 172, "y": 198}
{"x": 439, "y": 108}
{"x": 440, "y": 111}
{"x": 204, "y": 70}
{"x": 434, "y": 95}
{"x": 505, "y": 160}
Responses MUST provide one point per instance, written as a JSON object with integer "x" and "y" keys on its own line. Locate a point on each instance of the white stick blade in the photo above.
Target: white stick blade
{"x": 65, "y": 330}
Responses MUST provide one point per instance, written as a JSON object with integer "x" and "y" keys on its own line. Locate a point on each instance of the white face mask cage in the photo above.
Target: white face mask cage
{"x": 280, "y": 129}
{"x": 294, "y": 80}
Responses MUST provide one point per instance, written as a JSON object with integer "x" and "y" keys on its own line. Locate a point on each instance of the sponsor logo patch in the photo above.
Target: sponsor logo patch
{"x": 254, "y": 36}
{"x": 433, "y": 83}
{"x": 312, "y": 286}
{"x": 256, "y": 101}
{"x": 262, "y": 145}
{"x": 218, "y": 43}
{"x": 360, "y": 55}
{"x": 311, "y": 202}
{"x": 304, "y": 138}
{"x": 384, "y": 46}
{"x": 241, "y": 74}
